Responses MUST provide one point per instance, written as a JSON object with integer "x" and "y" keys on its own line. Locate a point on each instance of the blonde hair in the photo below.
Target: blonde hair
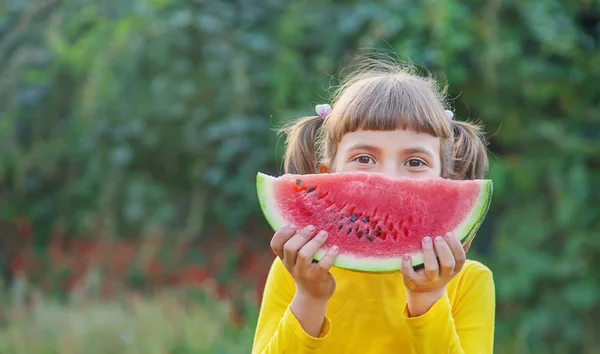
{"x": 384, "y": 96}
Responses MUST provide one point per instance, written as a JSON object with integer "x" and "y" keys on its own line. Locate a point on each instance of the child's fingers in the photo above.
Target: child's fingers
{"x": 432, "y": 270}
{"x": 291, "y": 247}
{"x": 408, "y": 272}
{"x": 280, "y": 238}
{"x": 323, "y": 266}
{"x": 445, "y": 257}
{"x": 307, "y": 252}
{"x": 457, "y": 250}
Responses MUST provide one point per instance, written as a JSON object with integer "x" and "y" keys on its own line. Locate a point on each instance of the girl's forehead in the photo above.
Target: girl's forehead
{"x": 394, "y": 140}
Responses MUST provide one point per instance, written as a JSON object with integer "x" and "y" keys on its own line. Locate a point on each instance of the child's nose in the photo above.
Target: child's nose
{"x": 392, "y": 170}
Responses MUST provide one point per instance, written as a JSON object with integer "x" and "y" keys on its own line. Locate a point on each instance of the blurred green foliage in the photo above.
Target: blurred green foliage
{"x": 141, "y": 114}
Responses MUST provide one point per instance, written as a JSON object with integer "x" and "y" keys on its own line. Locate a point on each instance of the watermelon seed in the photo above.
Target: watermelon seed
{"x": 299, "y": 183}
{"x": 342, "y": 217}
{"x": 371, "y": 237}
{"x": 353, "y": 218}
{"x": 378, "y": 230}
{"x": 356, "y": 229}
{"x": 365, "y": 220}
{"x": 362, "y": 234}
{"x": 340, "y": 227}
{"x": 349, "y": 231}
{"x": 311, "y": 189}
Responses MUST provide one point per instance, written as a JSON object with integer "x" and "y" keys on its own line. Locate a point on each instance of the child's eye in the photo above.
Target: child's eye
{"x": 364, "y": 159}
{"x": 415, "y": 163}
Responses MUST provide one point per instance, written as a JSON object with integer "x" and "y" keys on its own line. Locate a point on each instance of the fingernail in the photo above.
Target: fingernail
{"x": 310, "y": 228}
{"x": 406, "y": 257}
{"x": 448, "y": 235}
{"x": 292, "y": 227}
{"x": 322, "y": 234}
{"x": 334, "y": 249}
{"x": 427, "y": 240}
{"x": 439, "y": 239}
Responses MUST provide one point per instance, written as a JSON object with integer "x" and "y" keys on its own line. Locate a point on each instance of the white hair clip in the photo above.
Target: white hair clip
{"x": 323, "y": 110}
{"x": 449, "y": 114}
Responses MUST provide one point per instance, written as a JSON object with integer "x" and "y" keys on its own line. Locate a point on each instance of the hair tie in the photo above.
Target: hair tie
{"x": 323, "y": 110}
{"x": 449, "y": 114}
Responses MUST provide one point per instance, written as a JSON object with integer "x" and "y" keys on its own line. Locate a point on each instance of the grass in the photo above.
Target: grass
{"x": 173, "y": 321}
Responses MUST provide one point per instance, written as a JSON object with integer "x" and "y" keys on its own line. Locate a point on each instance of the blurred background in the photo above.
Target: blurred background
{"x": 131, "y": 133}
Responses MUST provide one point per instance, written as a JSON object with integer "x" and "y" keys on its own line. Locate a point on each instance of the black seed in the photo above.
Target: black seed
{"x": 356, "y": 229}
{"x": 299, "y": 183}
{"x": 342, "y": 217}
{"x": 365, "y": 220}
{"x": 310, "y": 189}
{"x": 353, "y": 218}
{"x": 349, "y": 231}
{"x": 340, "y": 227}
{"x": 371, "y": 238}
{"x": 378, "y": 230}
{"x": 362, "y": 234}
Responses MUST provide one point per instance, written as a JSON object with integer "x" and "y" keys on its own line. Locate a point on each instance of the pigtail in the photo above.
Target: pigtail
{"x": 470, "y": 153}
{"x": 301, "y": 145}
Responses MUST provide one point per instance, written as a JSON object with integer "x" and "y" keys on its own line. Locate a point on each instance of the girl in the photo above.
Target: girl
{"x": 385, "y": 119}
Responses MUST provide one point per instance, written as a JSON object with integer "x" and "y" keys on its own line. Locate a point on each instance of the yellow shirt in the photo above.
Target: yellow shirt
{"x": 368, "y": 314}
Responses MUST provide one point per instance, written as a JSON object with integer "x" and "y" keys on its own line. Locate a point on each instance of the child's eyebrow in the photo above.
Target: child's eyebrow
{"x": 363, "y": 147}
{"x": 411, "y": 150}
{"x": 418, "y": 150}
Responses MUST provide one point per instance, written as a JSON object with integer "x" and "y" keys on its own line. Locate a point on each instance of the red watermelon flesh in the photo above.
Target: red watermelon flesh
{"x": 373, "y": 219}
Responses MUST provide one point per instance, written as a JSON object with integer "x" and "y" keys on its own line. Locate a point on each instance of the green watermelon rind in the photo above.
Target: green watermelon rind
{"x": 465, "y": 232}
{"x": 265, "y": 189}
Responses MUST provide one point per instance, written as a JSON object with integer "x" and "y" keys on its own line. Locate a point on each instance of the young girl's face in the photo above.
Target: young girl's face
{"x": 398, "y": 153}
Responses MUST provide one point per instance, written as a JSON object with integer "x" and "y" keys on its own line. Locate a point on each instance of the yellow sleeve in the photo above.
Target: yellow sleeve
{"x": 278, "y": 330}
{"x": 467, "y": 326}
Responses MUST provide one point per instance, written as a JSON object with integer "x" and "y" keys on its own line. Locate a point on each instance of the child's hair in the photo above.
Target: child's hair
{"x": 383, "y": 96}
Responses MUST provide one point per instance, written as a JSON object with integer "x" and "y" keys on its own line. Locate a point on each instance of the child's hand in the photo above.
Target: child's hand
{"x": 296, "y": 250}
{"x": 425, "y": 286}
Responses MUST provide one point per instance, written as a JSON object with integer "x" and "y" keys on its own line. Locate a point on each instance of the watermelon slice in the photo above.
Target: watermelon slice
{"x": 373, "y": 219}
